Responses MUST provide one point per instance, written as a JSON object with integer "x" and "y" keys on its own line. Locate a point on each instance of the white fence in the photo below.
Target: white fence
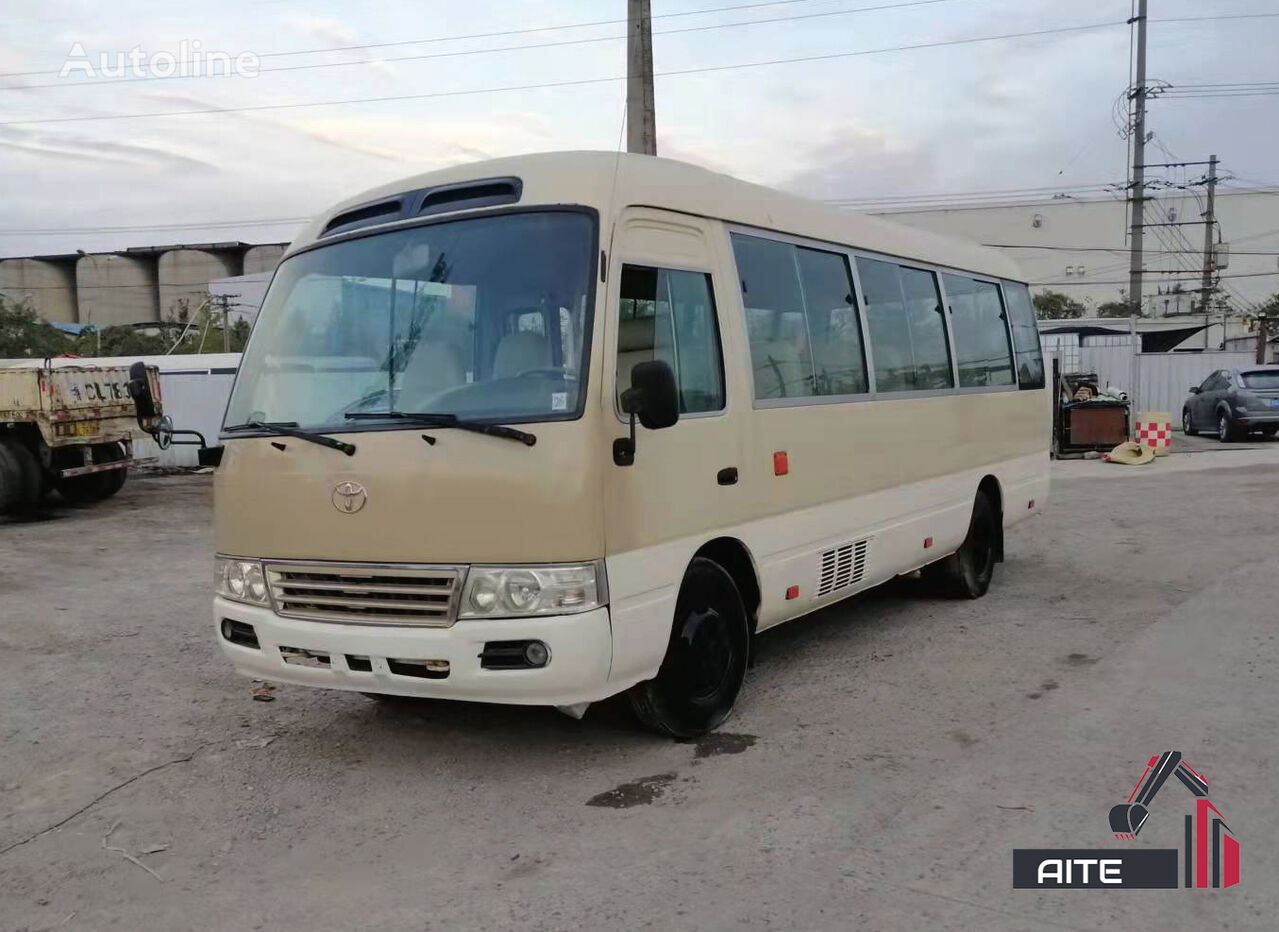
{"x": 1153, "y": 381}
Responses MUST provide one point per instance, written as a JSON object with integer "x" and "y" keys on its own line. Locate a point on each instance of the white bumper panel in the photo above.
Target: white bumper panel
{"x": 580, "y": 646}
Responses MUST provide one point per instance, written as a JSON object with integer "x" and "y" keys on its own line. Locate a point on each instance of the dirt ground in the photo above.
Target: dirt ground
{"x": 886, "y": 758}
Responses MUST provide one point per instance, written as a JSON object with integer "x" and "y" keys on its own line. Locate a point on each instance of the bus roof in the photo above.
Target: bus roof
{"x": 610, "y": 181}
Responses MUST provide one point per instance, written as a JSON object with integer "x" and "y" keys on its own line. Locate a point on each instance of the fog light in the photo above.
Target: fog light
{"x": 536, "y": 654}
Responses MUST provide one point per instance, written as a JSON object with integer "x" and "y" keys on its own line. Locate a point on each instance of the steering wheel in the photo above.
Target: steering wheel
{"x": 558, "y": 372}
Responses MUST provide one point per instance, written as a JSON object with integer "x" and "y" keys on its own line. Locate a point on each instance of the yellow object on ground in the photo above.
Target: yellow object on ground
{"x": 1154, "y": 429}
{"x": 1129, "y": 454}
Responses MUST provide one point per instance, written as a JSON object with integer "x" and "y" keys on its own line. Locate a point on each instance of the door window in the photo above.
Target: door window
{"x": 669, "y": 315}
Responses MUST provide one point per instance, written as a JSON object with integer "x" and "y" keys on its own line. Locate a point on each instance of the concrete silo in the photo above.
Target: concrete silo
{"x": 115, "y": 289}
{"x": 262, "y": 260}
{"x": 47, "y": 283}
{"x": 186, "y": 273}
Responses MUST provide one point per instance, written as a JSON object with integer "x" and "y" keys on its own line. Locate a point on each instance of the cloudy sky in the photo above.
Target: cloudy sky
{"x": 1028, "y": 112}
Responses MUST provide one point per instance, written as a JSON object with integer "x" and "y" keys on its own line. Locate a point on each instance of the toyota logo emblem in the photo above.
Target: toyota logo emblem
{"x": 349, "y": 497}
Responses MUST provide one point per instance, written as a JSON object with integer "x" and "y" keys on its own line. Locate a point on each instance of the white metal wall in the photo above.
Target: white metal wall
{"x": 1164, "y": 379}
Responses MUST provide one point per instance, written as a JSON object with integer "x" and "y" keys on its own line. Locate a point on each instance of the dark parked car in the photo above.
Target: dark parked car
{"x": 1233, "y": 403}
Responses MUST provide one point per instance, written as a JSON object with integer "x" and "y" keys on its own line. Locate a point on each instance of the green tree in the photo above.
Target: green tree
{"x": 24, "y": 335}
{"x": 1053, "y": 305}
{"x": 1118, "y": 309}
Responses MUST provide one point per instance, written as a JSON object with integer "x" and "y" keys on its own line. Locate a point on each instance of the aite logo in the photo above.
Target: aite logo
{"x": 1210, "y": 853}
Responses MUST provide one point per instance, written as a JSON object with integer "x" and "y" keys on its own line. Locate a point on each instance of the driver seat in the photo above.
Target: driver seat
{"x": 519, "y": 352}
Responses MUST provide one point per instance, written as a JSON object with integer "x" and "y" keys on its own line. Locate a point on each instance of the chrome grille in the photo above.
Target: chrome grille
{"x": 366, "y": 593}
{"x": 842, "y": 567}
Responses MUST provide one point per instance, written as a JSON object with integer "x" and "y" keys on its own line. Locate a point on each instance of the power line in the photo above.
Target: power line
{"x": 468, "y": 52}
{"x": 1179, "y": 281}
{"x": 574, "y": 83}
{"x": 198, "y": 225}
{"x": 1195, "y": 252}
{"x": 514, "y": 32}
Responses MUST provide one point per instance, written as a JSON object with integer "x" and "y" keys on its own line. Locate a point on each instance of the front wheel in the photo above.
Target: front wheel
{"x": 966, "y": 573}
{"x": 705, "y": 661}
{"x": 1186, "y": 427}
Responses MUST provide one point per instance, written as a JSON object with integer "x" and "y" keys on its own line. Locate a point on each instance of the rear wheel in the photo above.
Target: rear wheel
{"x": 1269, "y": 431}
{"x": 966, "y": 573}
{"x": 1226, "y": 431}
{"x": 21, "y": 481}
{"x": 705, "y": 661}
{"x": 96, "y": 486}
{"x": 1186, "y": 427}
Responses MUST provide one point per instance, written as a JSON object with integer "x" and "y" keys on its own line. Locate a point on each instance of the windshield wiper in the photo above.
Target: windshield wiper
{"x": 291, "y": 429}
{"x": 430, "y": 419}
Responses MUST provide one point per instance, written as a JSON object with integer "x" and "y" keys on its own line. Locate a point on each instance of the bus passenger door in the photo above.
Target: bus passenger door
{"x": 666, "y": 295}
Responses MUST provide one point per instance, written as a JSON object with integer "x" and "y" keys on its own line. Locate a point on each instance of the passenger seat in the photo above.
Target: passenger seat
{"x": 433, "y": 368}
{"x": 634, "y": 346}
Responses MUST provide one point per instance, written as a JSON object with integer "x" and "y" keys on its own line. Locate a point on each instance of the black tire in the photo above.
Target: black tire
{"x": 1227, "y": 431}
{"x": 25, "y": 479}
{"x": 95, "y": 486}
{"x": 1268, "y": 432}
{"x": 966, "y": 573}
{"x": 1186, "y": 427}
{"x": 705, "y": 661}
{"x": 10, "y": 478}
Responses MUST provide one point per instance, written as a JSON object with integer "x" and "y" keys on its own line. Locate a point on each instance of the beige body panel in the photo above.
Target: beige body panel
{"x": 467, "y": 499}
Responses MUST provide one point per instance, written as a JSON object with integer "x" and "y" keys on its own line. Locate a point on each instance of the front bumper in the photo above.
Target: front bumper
{"x": 578, "y": 671}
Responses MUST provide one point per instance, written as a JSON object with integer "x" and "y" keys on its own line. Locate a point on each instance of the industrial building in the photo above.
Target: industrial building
{"x": 136, "y": 285}
{"x": 1079, "y": 246}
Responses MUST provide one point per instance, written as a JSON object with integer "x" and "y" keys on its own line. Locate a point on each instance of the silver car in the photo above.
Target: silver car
{"x": 1234, "y": 403}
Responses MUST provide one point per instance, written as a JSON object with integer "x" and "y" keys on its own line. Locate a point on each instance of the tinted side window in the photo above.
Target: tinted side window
{"x": 781, "y": 357}
{"x": 1021, "y": 315}
{"x": 981, "y": 334}
{"x": 670, "y": 315}
{"x": 906, "y": 327}
{"x": 834, "y": 332}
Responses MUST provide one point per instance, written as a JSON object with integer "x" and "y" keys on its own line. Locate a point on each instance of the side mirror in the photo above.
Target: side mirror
{"x": 653, "y": 398}
{"x": 1194, "y": 389}
{"x": 139, "y": 388}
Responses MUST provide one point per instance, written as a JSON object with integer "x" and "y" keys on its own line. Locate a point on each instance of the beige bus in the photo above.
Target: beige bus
{"x": 548, "y": 429}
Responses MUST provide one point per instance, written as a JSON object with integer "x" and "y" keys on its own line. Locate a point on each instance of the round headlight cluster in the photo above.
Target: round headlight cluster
{"x": 242, "y": 580}
{"x": 521, "y": 591}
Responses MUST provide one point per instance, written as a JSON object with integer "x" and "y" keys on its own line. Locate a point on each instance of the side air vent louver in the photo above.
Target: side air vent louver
{"x": 842, "y": 567}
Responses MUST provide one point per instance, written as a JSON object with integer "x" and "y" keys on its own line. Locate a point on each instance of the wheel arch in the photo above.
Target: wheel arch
{"x": 989, "y": 486}
{"x": 735, "y": 557}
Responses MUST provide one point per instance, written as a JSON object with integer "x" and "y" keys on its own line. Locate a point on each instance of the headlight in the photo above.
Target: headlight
{"x": 241, "y": 580}
{"x": 518, "y": 591}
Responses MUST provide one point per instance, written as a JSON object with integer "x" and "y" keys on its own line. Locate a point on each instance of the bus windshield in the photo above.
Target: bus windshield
{"x": 485, "y": 318}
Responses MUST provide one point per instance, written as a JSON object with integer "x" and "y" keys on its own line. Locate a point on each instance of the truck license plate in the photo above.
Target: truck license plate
{"x": 86, "y": 428}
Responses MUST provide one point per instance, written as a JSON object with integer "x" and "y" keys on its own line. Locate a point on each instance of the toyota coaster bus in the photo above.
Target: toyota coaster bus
{"x": 547, "y": 429}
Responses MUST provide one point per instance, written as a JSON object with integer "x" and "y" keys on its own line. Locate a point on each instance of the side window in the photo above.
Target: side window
{"x": 1208, "y": 383}
{"x": 1021, "y": 314}
{"x": 670, "y": 315}
{"x": 801, "y": 320}
{"x": 834, "y": 333}
{"x": 906, "y": 327}
{"x": 781, "y": 358}
{"x": 981, "y": 332}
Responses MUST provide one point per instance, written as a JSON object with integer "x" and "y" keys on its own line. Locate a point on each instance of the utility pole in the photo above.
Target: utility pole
{"x": 641, "y": 119}
{"x": 1137, "y": 198}
{"x": 1263, "y": 337}
{"x": 1210, "y": 260}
